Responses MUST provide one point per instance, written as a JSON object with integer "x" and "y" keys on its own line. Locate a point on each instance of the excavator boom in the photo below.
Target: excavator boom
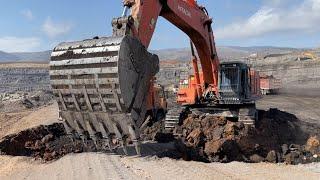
{"x": 190, "y": 18}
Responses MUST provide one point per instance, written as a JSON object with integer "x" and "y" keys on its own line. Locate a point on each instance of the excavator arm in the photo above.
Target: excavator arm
{"x": 186, "y": 15}
{"x": 102, "y": 84}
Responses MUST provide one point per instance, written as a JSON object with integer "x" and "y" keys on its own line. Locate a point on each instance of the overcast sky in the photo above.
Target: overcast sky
{"x": 36, "y": 25}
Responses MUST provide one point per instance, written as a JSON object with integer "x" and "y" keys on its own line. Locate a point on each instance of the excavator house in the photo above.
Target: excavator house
{"x": 103, "y": 84}
{"x": 238, "y": 89}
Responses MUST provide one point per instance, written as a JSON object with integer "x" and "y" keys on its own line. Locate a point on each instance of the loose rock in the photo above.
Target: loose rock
{"x": 220, "y": 140}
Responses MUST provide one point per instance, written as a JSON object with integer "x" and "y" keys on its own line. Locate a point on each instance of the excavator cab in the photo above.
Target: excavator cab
{"x": 239, "y": 88}
{"x": 234, "y": 83}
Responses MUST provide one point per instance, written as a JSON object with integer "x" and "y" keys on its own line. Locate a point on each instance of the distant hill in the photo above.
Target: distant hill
{"x": 7, "y": 57}
{"x": 183, "y": 54}
{"x": 266, "y": 50}
{"x": 173, "y": 54}
{"x": 225, "y": 52}
{"x": 43, "y": 56}
{"x": 228, "y": 52}
{"x": 263, "y": 48}
{"x": 33, "y": 56}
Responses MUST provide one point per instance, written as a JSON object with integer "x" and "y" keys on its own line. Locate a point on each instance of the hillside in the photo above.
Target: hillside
{"x": 33, "y": 56}
{"x": 225, "y": 52}
{"x": 7, "y": 57}
{"x": 183, "y": 54}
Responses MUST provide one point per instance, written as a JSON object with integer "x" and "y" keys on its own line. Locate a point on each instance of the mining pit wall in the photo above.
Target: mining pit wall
{"x": 300, "y": 75}
{"x": 24, "y": 79}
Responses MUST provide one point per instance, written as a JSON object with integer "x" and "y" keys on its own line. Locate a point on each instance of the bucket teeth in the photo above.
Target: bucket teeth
{"x": 101, "y": 86}
{"x": 106, "y": 144}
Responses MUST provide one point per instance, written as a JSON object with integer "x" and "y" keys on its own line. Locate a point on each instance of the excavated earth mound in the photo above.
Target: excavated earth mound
{"x": 153, "y": 132}
{"x": 278, "y": 137}
{"x": 43, "y": 142}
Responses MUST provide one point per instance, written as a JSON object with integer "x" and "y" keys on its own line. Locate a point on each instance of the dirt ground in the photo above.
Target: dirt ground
{"x": 23, "y": 65}
{"x": 104, "y": 166}
{"x": 108, "y": 166}
{"x": 306, "y": 108}
{"x": 13, "y": 122}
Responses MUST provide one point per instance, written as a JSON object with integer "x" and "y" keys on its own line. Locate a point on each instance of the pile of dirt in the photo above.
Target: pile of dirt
{"x": 51, "y": 142}
{"x": 149, "y": 132}
{"x": 276, "y": 138}
{"x": 43, "y": 142}
{"x": 153, "y": 132}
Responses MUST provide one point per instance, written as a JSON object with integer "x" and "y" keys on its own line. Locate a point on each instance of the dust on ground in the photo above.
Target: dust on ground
{"x": 108, "y": 166}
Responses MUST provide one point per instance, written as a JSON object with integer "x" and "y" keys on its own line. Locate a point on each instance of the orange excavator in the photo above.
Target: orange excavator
{"x": 103, "y": 85}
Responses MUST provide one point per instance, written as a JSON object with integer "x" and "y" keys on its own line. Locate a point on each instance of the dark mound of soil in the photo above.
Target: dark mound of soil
{"x": 149, "y": 132}
{"x": 44, "y": 142}
{"x": 276, "y": 138}
{"x": 154, "y": 133}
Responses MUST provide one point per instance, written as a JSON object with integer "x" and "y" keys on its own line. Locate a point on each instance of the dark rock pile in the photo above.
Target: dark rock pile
{"x": 276, "y": 138}
{"x": 154, "y": 133}
{"x": 43, "y": 142}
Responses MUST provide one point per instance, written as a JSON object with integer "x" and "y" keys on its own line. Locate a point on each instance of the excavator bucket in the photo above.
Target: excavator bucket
{"x": 101, "y": 86}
